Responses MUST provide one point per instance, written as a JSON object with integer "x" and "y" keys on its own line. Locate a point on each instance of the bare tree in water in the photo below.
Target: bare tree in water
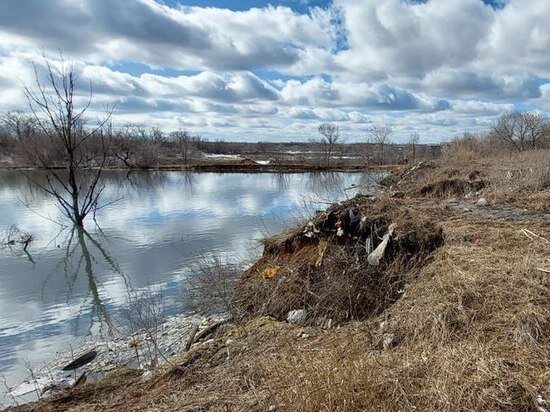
{"x": 77, "y": 154}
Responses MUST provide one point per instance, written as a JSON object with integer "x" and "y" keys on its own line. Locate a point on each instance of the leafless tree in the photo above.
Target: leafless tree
{"x": 522, "y": 130}
{"x": 330, "y": 137}
{"x": 414, "y": 138}
{"x": 380, "y": 135}
{"x": 184, "y": 141}
{"x": 19, "y": 125}
{"x": 16, "y": 130}
{"x": 75, "y": 183}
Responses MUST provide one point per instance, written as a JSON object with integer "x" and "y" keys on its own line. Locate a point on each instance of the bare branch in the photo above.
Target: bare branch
{"x": 82, "y": 152}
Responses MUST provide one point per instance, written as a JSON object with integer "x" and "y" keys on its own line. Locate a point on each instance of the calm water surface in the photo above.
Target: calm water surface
{"x": 70, "y": 287}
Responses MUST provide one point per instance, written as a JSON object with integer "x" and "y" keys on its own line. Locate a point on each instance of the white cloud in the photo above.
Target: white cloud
{"x": 455, "y": 64}
{"x": 158, "y": 35}
{"x": 399, "y": 38}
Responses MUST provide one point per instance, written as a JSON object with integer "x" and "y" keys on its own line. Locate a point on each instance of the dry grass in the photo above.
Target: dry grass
{"x": 473, "y": 333}
{"x": 520, "y": 179}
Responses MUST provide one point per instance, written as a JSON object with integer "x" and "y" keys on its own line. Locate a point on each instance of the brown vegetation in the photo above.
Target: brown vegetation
{"x": 23, "y": 144}
{"x": 326, "y": 272}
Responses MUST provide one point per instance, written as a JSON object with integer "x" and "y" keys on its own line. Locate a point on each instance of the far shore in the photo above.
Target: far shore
{"x": 235, "y": 167}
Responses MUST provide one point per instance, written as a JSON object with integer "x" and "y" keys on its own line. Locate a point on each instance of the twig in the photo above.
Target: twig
{"x": 210, "y": 329}
{"x": 532, "y": 235}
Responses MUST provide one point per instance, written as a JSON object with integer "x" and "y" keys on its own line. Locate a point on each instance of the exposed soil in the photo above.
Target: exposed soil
{"x": 322, "y": 267}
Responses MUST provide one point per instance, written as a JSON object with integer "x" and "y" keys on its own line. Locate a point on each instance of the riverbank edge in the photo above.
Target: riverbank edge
{"x": 233, "y": 168}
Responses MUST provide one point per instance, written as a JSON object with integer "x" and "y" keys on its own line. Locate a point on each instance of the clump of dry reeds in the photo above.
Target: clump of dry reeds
{"x": 524, "y": 176}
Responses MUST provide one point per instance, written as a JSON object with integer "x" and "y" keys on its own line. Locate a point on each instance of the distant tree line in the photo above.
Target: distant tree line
{"x": 30, "y": 143}
{"x": 512, "y": 132}
{"x": 135, "y": 146}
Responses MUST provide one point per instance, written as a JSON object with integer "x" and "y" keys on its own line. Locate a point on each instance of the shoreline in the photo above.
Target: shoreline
{"x": 232, "y": 168}
{"x": 143, "y": 350}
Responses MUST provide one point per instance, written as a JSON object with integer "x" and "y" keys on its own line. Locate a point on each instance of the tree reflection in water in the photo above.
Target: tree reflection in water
{"x": 83, "y": 252}
{"x": 330, "y": 184}
{"x": 282, "y": 181}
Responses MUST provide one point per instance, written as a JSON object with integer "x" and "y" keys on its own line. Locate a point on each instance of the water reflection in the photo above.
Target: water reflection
{"x": 327, "y": 183}
{"x": 73, "y": 283}
{"x": 281, "y": 180}
{"x": 85, "y": 254}
{"x": 147, "y": 181}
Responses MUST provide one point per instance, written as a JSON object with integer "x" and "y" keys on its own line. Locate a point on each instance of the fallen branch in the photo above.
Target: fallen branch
{"x": 208, "y": 330}
{"x": 191, "y": 338}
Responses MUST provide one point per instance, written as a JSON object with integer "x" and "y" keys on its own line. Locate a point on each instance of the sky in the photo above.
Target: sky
{"x": 273, "y": 71}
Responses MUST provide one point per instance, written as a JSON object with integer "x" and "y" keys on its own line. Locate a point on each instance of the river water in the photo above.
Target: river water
{"x": 68, "y": 287}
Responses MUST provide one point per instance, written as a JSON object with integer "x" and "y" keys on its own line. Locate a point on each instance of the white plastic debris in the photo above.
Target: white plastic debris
{"x": 147, "y": 376}
{"x": 378, "y": 253}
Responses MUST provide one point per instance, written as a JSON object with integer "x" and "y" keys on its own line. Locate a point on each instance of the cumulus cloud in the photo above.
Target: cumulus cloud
{"x": 434, "y": 66}
{"x": 396, "y": 37}
{"x": 469, "y": 84}
{"x": 159, "y": 35}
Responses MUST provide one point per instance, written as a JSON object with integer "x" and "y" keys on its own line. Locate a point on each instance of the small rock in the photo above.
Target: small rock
{"x": 296, "y": 316}
{"x": 482, "y": 202}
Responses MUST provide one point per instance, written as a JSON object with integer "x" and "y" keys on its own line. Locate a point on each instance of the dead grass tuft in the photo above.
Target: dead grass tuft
{"x": 452, "y": 188}
{"x": 523, "y": 179}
